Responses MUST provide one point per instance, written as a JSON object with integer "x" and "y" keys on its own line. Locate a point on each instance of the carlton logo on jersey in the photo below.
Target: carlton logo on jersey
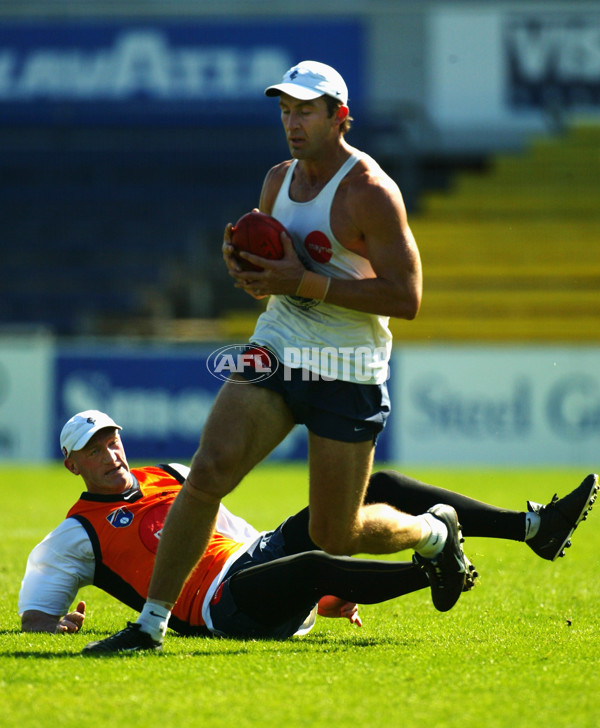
{"x": 121, "y": 518}
{"x": 151, "y": 525}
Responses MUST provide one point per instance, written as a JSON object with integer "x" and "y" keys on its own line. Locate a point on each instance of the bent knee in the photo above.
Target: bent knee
{"x": 211, "y": 475}
{"x": 331, "y": 540}
{"x": 198, "y": 494}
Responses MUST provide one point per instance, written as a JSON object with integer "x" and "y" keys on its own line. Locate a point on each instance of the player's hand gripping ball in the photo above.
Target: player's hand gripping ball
{"x": 257, "y": 233}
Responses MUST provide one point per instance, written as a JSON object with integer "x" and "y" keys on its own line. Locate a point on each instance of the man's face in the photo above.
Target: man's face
{"x": 102, "y": 463}
{"x": 307, "y": 126}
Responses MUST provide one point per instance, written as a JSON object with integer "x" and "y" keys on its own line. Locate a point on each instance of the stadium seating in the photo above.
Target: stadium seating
{"x": 513, "y": 254}
{"x": 119, "y": 231}
{"x": 107, "y": 230}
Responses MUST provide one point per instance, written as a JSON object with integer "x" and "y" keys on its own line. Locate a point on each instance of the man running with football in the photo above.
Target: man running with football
{"x": 350, "y": 262}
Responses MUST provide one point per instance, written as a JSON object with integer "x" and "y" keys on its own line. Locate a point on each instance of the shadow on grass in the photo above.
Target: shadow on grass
{"x": 207, "y": 647}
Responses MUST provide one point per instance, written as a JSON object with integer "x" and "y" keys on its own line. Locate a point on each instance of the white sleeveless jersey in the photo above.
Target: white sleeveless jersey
{"x": 328, "y": 340}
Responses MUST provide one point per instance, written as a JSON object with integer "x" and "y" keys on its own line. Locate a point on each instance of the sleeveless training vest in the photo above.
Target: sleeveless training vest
{"x": 124, "y": 530}
{"x": 326, "y": 339}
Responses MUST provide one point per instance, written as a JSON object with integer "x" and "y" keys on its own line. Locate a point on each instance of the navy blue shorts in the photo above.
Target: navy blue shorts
{"x": 335, "y": 409}
{"x": 227, "y": 619}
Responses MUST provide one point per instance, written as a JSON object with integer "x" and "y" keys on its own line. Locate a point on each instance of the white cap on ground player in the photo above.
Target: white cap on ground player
{"x": 78, "y": 431}
{"x": 309, "y": 80}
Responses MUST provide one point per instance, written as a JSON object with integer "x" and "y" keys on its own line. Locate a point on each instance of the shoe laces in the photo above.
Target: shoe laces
{"x": 553, "y": 506}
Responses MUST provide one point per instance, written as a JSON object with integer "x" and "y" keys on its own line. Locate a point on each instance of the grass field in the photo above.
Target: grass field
{"x": 522, "y": 649}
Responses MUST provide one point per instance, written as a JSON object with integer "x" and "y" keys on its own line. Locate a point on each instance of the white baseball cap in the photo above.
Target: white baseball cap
{"x": 78, "y": 431}
{"x": 309, "y": 80}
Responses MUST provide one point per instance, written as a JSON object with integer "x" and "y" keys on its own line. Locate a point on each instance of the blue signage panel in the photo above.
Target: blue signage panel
{"x": 161, "y": 401}
{"x": 163, "y": 72}
{"x": 160, "y": 396}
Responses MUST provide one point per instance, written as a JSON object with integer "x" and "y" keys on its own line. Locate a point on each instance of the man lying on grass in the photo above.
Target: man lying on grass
{"x": 249, "y": 584}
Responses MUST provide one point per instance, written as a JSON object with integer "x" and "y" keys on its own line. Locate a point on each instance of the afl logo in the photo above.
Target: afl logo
{"x": 318, "y": 246}
{"x": 121, "y": 518}
{"x": 256, "y": 361}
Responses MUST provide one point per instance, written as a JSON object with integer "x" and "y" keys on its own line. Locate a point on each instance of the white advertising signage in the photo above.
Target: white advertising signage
{"x": 503, "y": 405}
{"x": 499, "y": 64}
{"x": 26, "y": 365}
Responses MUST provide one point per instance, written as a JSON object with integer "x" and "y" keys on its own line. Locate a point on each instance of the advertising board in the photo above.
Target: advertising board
{"x": 451, "y": 405}
{"x": 163, "y": 72}
{"x": 161, "y": 397}
{"x": 26, "y": 366}
{"x": 503, "y": 406}
{"x": 491, "y": 64}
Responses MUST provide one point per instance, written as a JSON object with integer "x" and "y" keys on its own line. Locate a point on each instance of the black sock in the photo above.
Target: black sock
{"x": 476, "y": 517}
{"x": 273, "y": 593}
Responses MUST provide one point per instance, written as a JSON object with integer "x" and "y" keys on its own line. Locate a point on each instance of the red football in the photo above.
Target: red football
{"x": 257, "y": 233}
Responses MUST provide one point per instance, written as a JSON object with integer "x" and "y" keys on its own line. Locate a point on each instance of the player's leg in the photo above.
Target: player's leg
{"x": 245, "y": 424}
{"x": 341, "y": 524}
{"x": 476, "y": 517}
{"x": 547, "y": 529}
{"x": 343, "y": 420}
{"x": 414, "y": 497}
{"x": 289, "y": 587}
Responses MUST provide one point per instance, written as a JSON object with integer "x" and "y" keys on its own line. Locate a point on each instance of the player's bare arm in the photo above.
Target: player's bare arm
{"x": 271, "y": 186}
{"x": 286, "y": 275}
{"x": 370, "y": 219}
{"x": 268, "y": 195}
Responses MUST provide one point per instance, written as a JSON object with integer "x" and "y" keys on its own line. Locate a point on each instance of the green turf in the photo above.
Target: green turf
{"x": 520, "y": 650}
